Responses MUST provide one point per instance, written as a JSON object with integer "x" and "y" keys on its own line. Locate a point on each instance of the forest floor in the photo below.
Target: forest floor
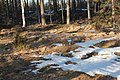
{"x": 20, "y": 48}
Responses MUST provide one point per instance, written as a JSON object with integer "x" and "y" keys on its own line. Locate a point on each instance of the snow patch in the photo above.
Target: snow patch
{"x": 103, "y": 63}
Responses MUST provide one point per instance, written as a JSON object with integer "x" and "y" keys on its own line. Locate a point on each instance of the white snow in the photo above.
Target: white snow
{"x": 57, "y": 44}
{"x": 104, "y": 63}
{"x": 92, "y": 42}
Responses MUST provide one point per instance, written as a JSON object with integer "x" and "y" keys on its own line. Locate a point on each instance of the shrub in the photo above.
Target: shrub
{"x": 20, "y": 43}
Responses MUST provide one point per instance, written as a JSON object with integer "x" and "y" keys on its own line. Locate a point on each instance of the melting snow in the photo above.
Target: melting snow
{"x": 57, "y": 44}
{"x": 103, "y": 63}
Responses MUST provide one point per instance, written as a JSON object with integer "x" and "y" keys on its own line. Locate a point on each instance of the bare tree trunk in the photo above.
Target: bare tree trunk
{"x": 38, "y": 11}
{"x": 50, "y": 11}
{"x": 64, "y": 4}
{"x": 79, "y": 4}
{"x": 68, "y": 11}
{"x": 27, "y": 6}
{"x": 42, "y": 12}
{"x": 113, "y": 12}
{"x": 98, "y": 5}
{"x": 62, "y": 11}
{"x": 95, "y": 7}
{"x": 88, "y": 8}
{"x": 73, "y": 4}
{"x": 55, "y": 5}
{"x": 16, "y": 12}
{"x": 2, "y": 5}
{"x": 8, "y": 9}
{"x": 33, "y": 5}
{"x": 13, "y": 13}
{"x": 23, "y": 13}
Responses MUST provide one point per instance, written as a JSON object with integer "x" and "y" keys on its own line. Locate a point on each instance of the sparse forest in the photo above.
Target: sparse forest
{"x": 59, "y": 39}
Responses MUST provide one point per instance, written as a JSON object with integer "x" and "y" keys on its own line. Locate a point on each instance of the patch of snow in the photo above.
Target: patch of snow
{"x": 33, "y": 36}
{"x": 103, "y": 63}
{"x": 83, "y": 51}
{"x": 57, "y": 44}
{"x": 92, "y": 42}
{"x": 36, "y": 71}
{"x": 118, "y": 77}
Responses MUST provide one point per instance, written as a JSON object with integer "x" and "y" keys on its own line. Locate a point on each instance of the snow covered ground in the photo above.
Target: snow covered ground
{"x": 105, "y": 62}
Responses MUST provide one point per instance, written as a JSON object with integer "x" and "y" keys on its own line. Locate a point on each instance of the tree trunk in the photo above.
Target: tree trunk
{"x": 64, "y": 4}
{"x": 68, "y": 11}
{"x": 38, "y": 12}
{"x": 33, "y": 5}
{"x": 95, "y": 7}
{"x": 50, "y": 11}
{"x": 8, "y": 10}
{"x": 88, "y": 8}
{"x": 23, "y": 13}
{"x": 42, "y": 12}
{"x": 27, "y": 6}
{"x": 55, "y": 5}
{"x": 79, "y": 4}
{"x": 16, "y": 12}
{"x": 2, "y": 5}
{"x": 13, "y": 13}
{"x": 73, "y": 4}
{"x": 113, "y": 13}
{"x": 62, "y": 11}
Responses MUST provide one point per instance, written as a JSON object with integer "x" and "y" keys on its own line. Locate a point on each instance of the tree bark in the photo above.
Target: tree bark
{"x": 13, "y": 13}
{"x": 95, "y": 7}
{"x": 62, "y": 11}
{"x": 64, "y": 5}
{"x": 79, "y": 4}
{"x": 33, "y": 5}
{"x": 55, "y": 5}
{"x": 88, "y": 8}
{"x": 68, "y": 11}
{"x": 38, "y": 12}
{"x": 50, "y": 11}
{"x": 8, "y": 10}
{"x": 42, "y": 12}
{"x": 16, "y": 12}
{"x": 113, "y": 12}
{"x": 73, "y": 4}
{"x": 23, "y": 13}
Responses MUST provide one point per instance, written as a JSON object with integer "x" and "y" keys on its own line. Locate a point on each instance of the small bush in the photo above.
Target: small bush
{"x": 97, "y": 26}
{"x": 20, "y": 43}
